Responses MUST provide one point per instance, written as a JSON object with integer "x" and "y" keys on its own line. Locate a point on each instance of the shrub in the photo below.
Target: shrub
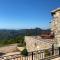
{"x": 47, "y": 53}
{"x": 22, "y": 44}
{"x": 24, "y": 52}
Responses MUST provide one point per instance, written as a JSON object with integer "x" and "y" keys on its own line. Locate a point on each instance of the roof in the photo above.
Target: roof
{"x": 47, "y": 36}
{"x": 43, "y": 36}
{"x": 55, "y": 10}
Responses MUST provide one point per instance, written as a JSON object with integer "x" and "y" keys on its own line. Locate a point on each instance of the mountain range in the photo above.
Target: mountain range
{"x": 7, "y": 34}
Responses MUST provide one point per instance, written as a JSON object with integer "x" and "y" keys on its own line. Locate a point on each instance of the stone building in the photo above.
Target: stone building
{"x": 45, "y": 41}
{"x": 55, "y": 25}
{"x": 34, "y": 43}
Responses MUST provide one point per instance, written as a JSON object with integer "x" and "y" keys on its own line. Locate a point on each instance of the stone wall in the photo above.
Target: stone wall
{"x": 55, "y": 27}
{"x": 34, "y": 43}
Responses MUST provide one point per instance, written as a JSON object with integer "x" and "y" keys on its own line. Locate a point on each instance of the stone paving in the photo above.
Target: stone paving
{"x": 56, "y": 58}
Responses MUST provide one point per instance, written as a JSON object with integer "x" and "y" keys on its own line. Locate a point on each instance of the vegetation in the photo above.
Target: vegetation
{"x": 47, "y": 53}
{"x": 17, "y": 39}
{"x": 24, "y": 52}
{"x": 17, "y": 36}
{"x": 22, "y": 44}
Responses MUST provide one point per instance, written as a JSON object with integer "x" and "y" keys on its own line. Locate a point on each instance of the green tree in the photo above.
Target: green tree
{"x": 24, "y": 52}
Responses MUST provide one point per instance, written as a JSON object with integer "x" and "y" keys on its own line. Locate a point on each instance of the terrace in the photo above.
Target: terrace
{"x": 48, "y": 54}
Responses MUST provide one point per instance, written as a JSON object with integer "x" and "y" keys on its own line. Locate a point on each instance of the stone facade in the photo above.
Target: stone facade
{"x": 55, "y": 25}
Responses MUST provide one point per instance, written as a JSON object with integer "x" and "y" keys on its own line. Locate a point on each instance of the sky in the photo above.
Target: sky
{"x": 22, "y": 14}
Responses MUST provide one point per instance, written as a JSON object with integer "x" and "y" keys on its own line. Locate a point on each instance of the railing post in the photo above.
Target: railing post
{"x": 52, "y": 49}
{"x": 59, "y": 51}
{"x": 32, "y": 55}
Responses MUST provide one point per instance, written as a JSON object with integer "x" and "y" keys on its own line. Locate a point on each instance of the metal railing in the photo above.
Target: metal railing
{"x": 35, "y": 55}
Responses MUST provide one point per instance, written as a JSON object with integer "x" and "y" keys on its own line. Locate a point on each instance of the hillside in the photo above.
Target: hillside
{"x": 17, "y": 36}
